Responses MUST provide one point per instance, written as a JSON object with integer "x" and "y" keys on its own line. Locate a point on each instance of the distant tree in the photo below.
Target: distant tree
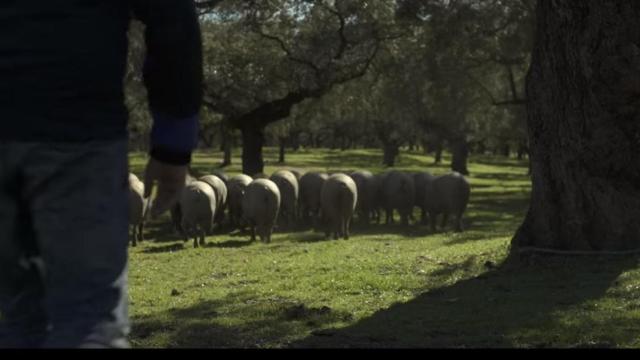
{"x": 265, "y": 57}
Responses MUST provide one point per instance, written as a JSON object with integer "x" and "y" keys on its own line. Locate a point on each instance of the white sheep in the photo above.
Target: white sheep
{"x": 260, "y": 207}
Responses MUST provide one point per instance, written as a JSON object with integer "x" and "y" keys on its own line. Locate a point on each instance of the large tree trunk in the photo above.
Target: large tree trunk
{"x": 460, "y": 153}
{"x": 584, "y": 129}
{"x": 252, "y": 141}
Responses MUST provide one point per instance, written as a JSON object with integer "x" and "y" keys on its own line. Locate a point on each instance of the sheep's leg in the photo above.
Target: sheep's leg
{"x": 141, "y": 231}
{"x": 459, "y": 222}
{"x": 423, "y": 216}
{"x": 203, "y": 234}
{"x": 134, "y": 242}
{"x": 433, "y": 217}
{"x": 253, "y": 233}
{"x": 445, "y": 218}
{"x": 346, "y": 228}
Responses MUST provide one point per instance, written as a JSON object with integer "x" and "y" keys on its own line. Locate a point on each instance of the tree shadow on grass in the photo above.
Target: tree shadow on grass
{"x": 231, "y": 243}
{"x": 164, "y": 248}
{"x": 265, "y": 320}
{"x": 509, "y": 306}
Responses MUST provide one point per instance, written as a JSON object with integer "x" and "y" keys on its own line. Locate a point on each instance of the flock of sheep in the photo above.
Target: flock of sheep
{"x": 326, "y": 201}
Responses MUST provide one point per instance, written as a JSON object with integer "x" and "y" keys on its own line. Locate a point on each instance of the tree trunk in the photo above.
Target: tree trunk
{"x": 425, "y": 146}
{"x": 226, "y": 145}
{"x": 282, "y": 143}
{"x": 522, "y": 150}
{"x": 294, "y": 140}
{"x": 252, "y": 141}
{"x": 390, "y": 152}
{"x": 227, "y": 154}
{"x": 460, "y": 153}
{"x": 438, "y": 148}
{"x": 582, "y": 91}
{"x": 482, "y": 147}
{"x": 506, "y": 150}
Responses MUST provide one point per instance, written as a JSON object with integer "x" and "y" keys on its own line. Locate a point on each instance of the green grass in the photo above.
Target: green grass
{"x": 387, "y": 286}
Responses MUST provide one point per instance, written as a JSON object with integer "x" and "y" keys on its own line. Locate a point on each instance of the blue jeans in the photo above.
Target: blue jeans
{"x": 63, "y": 244}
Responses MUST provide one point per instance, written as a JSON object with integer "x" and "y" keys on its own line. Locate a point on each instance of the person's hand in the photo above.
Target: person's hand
{"x": 171, "y": 180}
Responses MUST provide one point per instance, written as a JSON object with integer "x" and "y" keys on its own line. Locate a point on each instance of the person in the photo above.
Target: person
{"x": 64, "y": 161}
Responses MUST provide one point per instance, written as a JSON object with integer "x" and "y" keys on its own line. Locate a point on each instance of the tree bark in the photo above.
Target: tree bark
{"x": 460, "y": 153}
{"x": 252, "y": 141}
{"x": 584, "y": 129}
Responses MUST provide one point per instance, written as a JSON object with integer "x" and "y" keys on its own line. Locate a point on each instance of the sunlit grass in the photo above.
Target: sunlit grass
{"x": 387, "y": 286}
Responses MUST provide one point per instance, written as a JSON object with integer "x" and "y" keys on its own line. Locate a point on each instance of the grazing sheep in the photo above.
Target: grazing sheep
{"x": 260, "y": 207}
{"x": 421, "y": 180}
{"x": 375, "y": 189}
{"x": 447, "y": 194}
{"x": 137, "y": 205}
{"x": 220, "y": 188}
{"x": 220, "y": 174}
{"x": 309, "y": 199}
{"x": 198, "y": 208}
{"x": 364, "y": 180}
{"x": 399, "y": 194}
{"x": 289, "y": 190}
{"x": 338, "y": 198}
{"x": 176, "y": 213}
{"x": 236, "y": 189}
{"x": 297, "y": 173}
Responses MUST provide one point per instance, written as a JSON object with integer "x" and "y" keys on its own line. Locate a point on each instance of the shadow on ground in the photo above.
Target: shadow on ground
{"x": 508, "y": 306}
{"x": 197, "y": 326}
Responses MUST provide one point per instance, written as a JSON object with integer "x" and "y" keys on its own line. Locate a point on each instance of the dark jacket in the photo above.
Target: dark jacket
{"x": 62, "y": 64}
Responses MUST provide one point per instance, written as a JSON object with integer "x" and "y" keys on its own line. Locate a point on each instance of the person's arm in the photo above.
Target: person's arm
{"x": 173, "y": 78}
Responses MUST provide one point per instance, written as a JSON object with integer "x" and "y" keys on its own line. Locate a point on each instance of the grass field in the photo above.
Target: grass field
{"x": 387, "y": 286}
